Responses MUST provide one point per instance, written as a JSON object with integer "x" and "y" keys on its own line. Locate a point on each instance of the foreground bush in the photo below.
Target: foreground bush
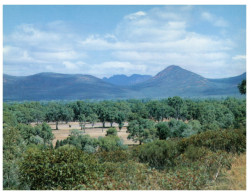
{"x": 83, "y": 142}
{"x": 114, "y": 156}
{"x": 111, "y": 143}
{"x": 158, "y": 154}
{"x": 63, "y": 168}
{"x": 227, "y": 140}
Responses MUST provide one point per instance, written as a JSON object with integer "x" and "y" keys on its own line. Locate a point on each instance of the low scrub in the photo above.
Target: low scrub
{"x": 158, "y": 154}
{"x": 228, "y": 140}
{"x": 62, "y": 168}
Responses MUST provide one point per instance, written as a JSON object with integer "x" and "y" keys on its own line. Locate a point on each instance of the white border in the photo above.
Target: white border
{"x": 135, "y": 2}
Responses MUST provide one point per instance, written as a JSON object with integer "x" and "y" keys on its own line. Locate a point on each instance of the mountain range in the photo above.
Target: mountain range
{"x": 171, "y": 81}
{"x": 123, "y": 80}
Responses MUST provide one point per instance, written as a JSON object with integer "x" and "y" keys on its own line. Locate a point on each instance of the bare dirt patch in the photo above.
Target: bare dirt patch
{"x": 97, "y": 131}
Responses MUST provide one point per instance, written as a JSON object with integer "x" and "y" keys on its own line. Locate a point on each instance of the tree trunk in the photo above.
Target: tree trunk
{"x": 111, "y": 123}
{"x": 84, "y": 127}
{"x": 56, "y": 125}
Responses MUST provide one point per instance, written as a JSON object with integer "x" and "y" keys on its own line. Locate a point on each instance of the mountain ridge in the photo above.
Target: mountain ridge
{"x": 171, "y": 81}
{"x": 123, "y": 80}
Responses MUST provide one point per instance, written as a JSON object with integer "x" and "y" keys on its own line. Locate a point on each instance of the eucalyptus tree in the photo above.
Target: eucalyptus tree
{"x": 92, "y": 118}
{"x": 120, "y": 119}
{"x": 53, "y": 113}
{"x": 82, "y": 121}
{"x": 179, "y": 106}
{"x": 141, "y": 130}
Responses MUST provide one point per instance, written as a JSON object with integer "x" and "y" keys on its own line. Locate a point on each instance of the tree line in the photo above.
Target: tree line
{"x": 216, "y": 113}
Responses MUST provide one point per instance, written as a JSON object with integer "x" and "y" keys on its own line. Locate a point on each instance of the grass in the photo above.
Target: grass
{"x": 234, "y": 179}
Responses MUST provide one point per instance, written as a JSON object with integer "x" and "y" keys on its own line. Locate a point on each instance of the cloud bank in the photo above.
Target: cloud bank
{"x": 143, "y": 42}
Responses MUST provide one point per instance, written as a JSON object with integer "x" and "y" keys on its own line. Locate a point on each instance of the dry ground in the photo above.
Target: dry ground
{"x": 65, "y": 130}
{"x": 234, "y": 179}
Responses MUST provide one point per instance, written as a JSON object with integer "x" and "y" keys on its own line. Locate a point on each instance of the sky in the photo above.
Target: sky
{"x": 104, "y": 40}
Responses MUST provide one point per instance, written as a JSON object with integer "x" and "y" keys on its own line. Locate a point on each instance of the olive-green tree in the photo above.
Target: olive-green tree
{"x": 141, "y": 130}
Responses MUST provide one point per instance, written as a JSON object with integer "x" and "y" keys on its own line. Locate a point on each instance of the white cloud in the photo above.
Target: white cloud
{"x": 136, "y": 15}
{"x": 143, "y": 42}
{"x": 117, "y": 67}
{"x": 73, "y": 65}
{"x": 216, "y": 21}
{"x": 239, "y": 57}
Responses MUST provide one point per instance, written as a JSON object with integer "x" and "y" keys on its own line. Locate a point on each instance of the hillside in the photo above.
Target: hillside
{"x": 53, "y": 86}
{"x": 123, "y": 80}
{"x": 172, "y": 81}
{"x": 175, "y": 80}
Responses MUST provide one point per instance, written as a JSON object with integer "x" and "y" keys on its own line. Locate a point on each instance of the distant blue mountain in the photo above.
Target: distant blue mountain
{"x": 172, "y": 81}
{"x": 123, "y": 80}
{"x": 175, "y": 80}
{"x": 54, "y": 86}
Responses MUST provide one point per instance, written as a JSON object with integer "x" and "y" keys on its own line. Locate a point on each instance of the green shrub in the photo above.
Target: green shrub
{"x": 111, "y": 131}
{"x": 13, "y": 147}
{"x": 163, "y": 130}
{"x": 158, "y": 154}
{"x": 195, "y": 153}
{"x": 227, "y": 140}
{"x": 185, "y": 178}
{"x": 111, "y": 143}
{"x": 62, "y": 168}
{"x": 196, "y": 168}
{"x": 83, "y": 142}
{"x": 114, "y": 156}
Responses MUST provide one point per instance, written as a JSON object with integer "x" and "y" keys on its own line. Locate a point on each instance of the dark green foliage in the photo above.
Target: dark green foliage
{"x": 163, "y": 130}
{"x": 46, "y": 133}
{"x": 13, "y": 147}
{"x": 227, "y": 140}
{"x": 9, "y": 118}
{"x": 141, "y": 130}
{"x": 114, "y": 156}
{"x": 82, "y": 121}
{"x": 193, "y": 151}
{"x": 120, "y": 119}
{"x": 158, "y": 110}
{"x": 57, "y": 144}
{"x": 67, "y": 114}
{"x": 93, "y": 118}
{"x": 179, "y": 107}
{"x": 82, "y": 142}
{"x": 242, "y": 87}
{"x": 63, "y": 168}
{"x": 173, "y": 128}
{"x": 111, "y": 132}
{"x": 139, "y": 110}
{"x": 177, "y": 127}
{"x": 238, "y": 108}
{"x": 102, "y": 113}
{"x": 111, "y": 143}
{"x": 193, "y": 127}
{"x": 54, "y": 113}
{"x": 158, "y": 154}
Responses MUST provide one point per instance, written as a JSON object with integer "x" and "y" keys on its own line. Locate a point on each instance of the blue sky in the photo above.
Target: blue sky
{"x": 106, "y": 40}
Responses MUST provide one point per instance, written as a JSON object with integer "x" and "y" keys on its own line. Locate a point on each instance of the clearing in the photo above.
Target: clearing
{"x": 65, "y": 130}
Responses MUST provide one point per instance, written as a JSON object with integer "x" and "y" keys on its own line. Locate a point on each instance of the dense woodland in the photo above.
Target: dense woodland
{"x": 182, "y": 144}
